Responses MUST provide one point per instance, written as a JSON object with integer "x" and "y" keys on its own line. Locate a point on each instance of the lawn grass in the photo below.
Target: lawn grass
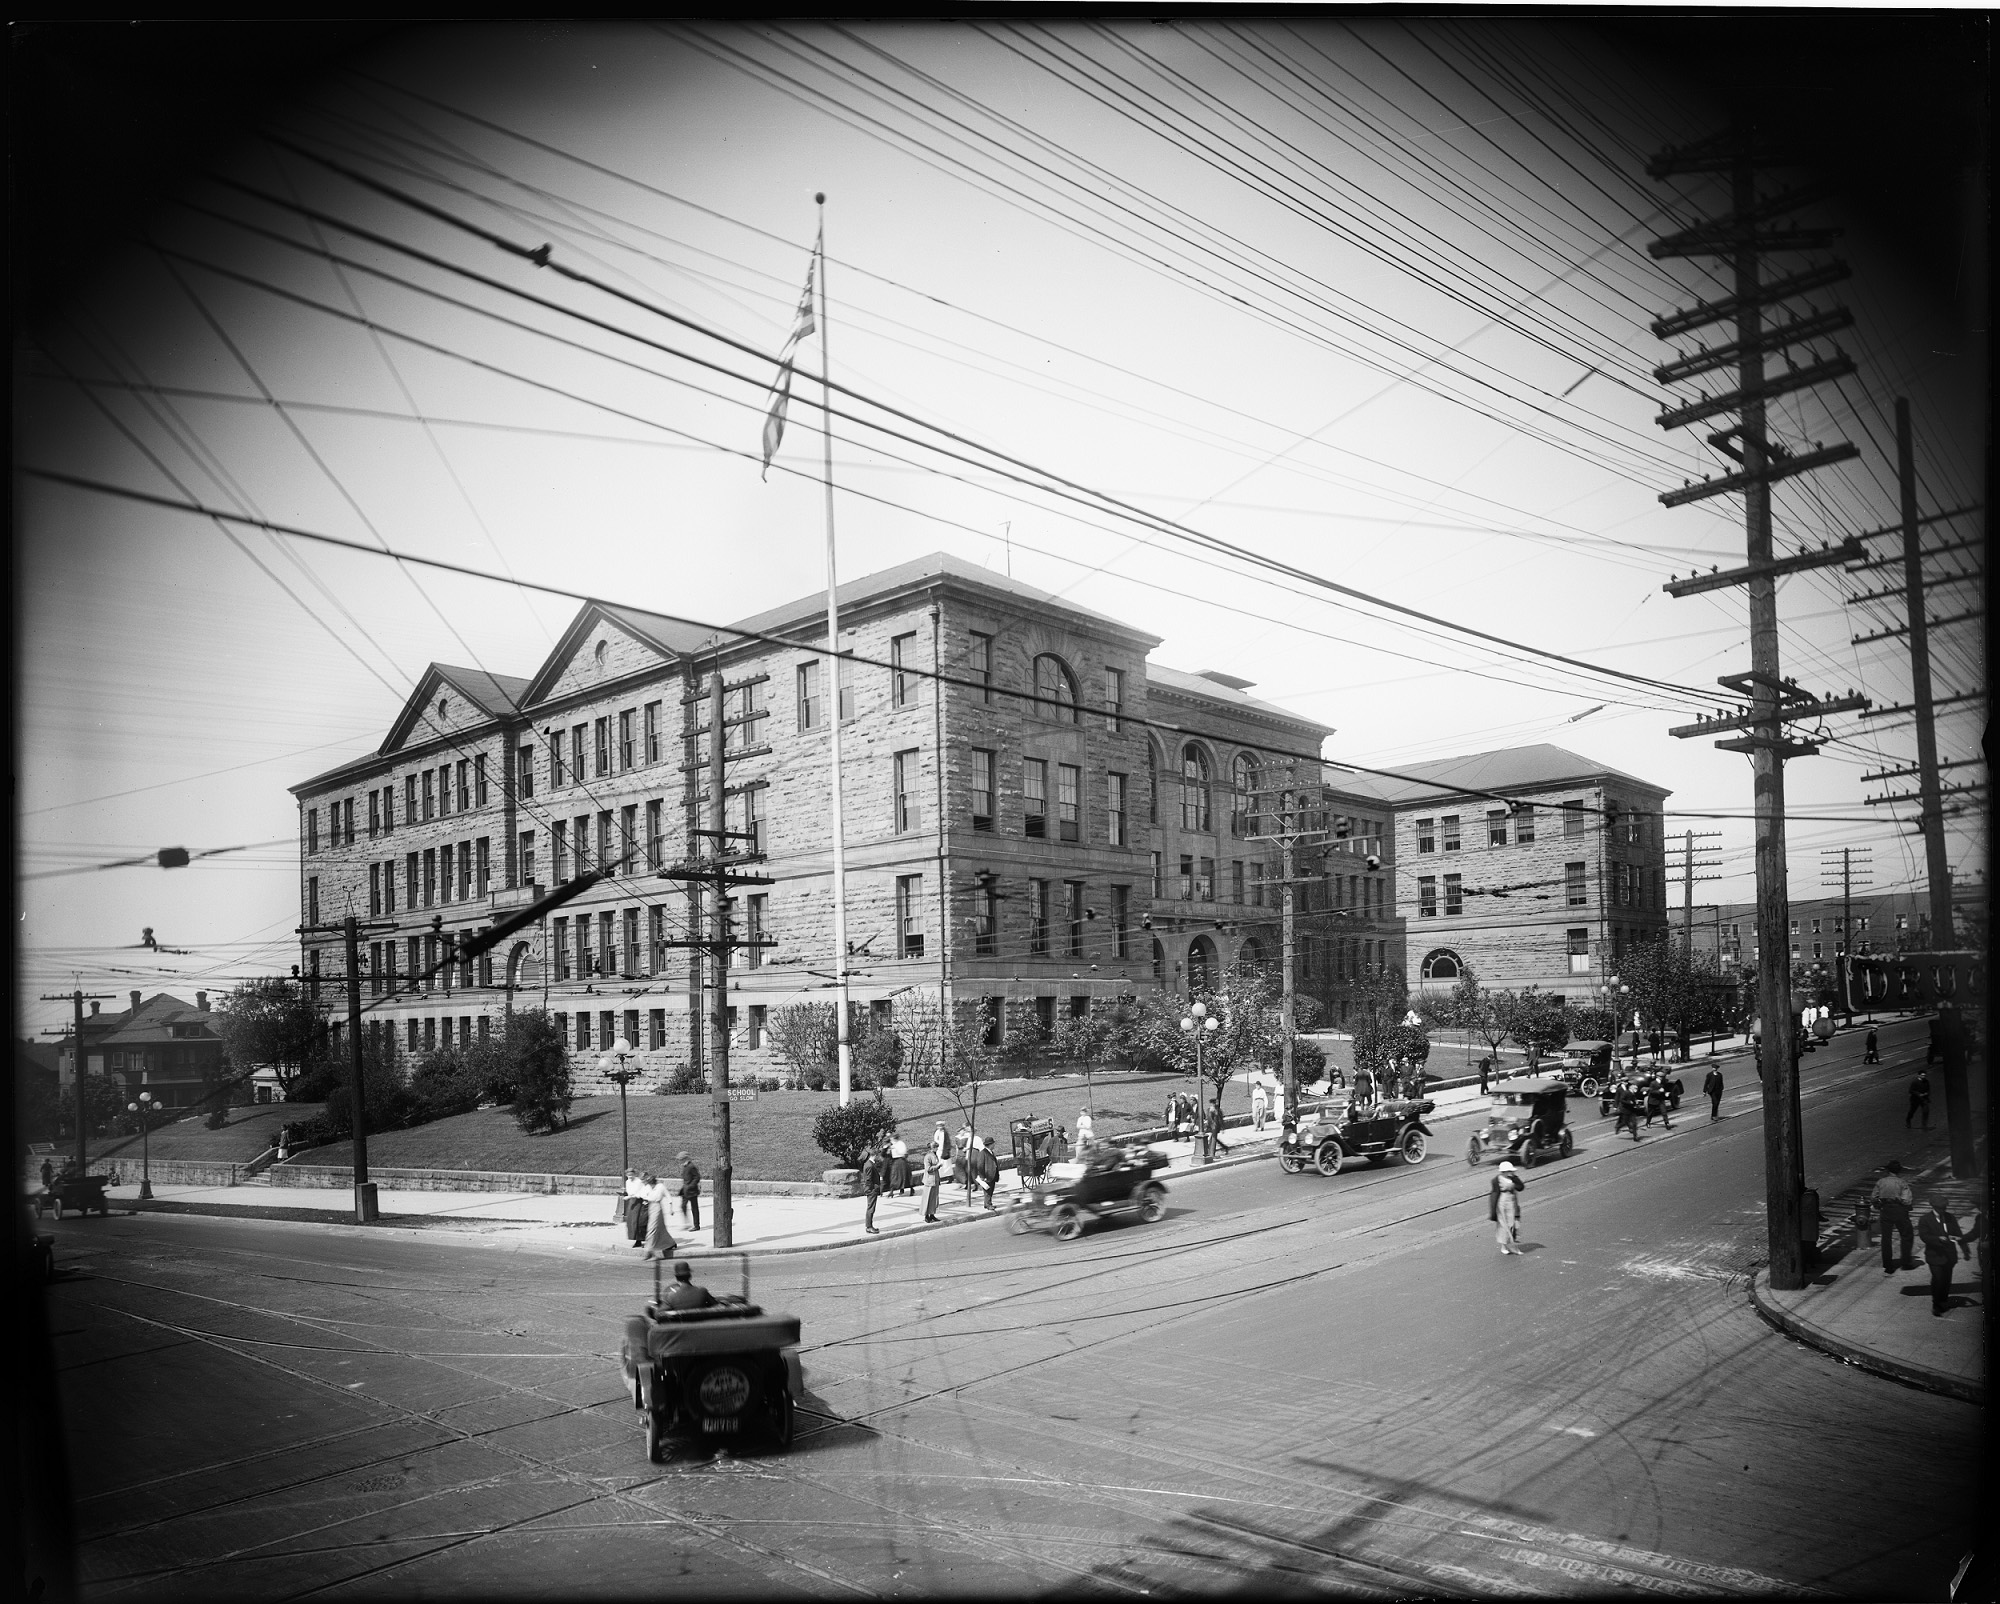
{"x": 250, "y": 1130}
{"x": 770, "y": 1139}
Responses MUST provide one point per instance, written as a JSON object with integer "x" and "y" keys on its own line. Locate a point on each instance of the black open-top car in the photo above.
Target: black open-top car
{"x": 1104, "y": 1179}
{"x": 1326, "y": 1136}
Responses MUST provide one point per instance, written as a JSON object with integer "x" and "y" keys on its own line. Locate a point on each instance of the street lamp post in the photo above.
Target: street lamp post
{"x": 1198, "y": 1022}
{"x": 1618, "y": 991}
{"x": 144, "y": 1109}
{"x": 621, "y": 1049}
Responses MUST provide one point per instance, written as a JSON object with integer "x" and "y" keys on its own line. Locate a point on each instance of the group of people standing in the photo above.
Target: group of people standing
{"x": 643, "y": 1207}
{"x": 1945, "y": 1239}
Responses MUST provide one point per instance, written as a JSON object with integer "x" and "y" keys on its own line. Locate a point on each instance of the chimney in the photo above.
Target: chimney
{"x": 135, "y": 1002}
{"x": 93, "y": 1008}
{"x": 201, "y": 1001}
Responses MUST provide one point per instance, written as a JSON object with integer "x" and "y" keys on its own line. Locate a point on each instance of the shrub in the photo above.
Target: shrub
{"x": 445, "y": 1083}
{"x": 389, "y": 1103}
{"x": 217, "y": 1118}
{"x": 1308, "y": 1061}
{"x": 540, "y": 1060}
{"x": 316, "y": 1131}
{"x": 847, "y": 1133}
{"x": 681, "y": 1081}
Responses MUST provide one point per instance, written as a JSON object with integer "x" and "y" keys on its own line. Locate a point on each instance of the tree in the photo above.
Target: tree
{"x": 272, "y": 1021}
{"x": 102, "y": 1105}
{"x": 848, "y": 1133}
{"x": 1380, "y": 999}
{"x": 540, "y": 1060}
{"x": 1090, "y": 1039}
{"x": 1534, "y": 1020}
{"x": 806, "y": 1038}
{"x": 1671, "y": 986}
{"x": 390, "y": 1105}
{"x": 1590, "y": 1022}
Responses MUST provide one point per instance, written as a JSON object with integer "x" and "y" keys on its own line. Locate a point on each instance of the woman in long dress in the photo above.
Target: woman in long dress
{"x": 659, "y": 1245}
{"x": 1506, "y": 1210}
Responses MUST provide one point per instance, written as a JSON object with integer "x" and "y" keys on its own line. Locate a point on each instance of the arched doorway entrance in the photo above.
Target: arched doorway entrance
{"x": 1202, "y": 970}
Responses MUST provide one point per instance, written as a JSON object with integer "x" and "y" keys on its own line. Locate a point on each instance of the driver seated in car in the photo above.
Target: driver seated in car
{"x": 687, "y": 1293}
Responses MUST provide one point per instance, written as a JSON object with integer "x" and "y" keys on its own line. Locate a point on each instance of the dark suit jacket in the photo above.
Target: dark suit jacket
{"x": 1938, "y": 1232}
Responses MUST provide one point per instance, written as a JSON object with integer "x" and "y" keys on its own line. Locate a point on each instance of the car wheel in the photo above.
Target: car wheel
{"x": 1472, "y": 1151}
{"x": 1568, "y": 1145}
{"x": 1587, "y": 1087}
{"x": 1291, "y": 1163}
{"x": 1327, "y": 1159}
{"x": 1017, "y": 1219}
{"x": 1069, "y": 1222}
{"x": 59, "y": 1206}
{"x": 1415, "y": 1146}
{"x": 1152, "y": 1202}
{"x": 782, "y": 1422}
{"x": 656, "y": 1438}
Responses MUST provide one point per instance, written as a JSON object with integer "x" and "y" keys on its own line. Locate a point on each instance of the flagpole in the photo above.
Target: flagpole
{"x": 846, "y": 1046}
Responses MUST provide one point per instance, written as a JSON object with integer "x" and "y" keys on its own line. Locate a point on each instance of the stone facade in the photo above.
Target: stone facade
{"x": 1546, "y": 893}
{"x": 1017, "y": 876}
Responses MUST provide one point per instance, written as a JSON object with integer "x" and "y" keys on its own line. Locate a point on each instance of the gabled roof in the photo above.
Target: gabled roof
{"x": 152, "y": 1020}
{"x": 802, "y": 614}
{"x": 1218, "y": 690}
{"x": 669, "y": 637}
{"x": 495, "y": 695}
{"x": 1513, "y": 768}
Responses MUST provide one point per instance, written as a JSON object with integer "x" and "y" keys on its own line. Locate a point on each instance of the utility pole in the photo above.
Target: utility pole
{"x": 78, "y": 999}
{"x": 1843, "y": 952}
{"x": 716, "y": 868}
{"x": 1936, "y": 869}
{"x": 350, "y": 929}
{"x": 1291, "y": 817}
{"x": 1740, "y": 240}
{"x": 1688, "y": 879}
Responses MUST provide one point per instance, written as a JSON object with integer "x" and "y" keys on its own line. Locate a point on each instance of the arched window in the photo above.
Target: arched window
{"x": 1441, "y": 963}
{"x": 1251, "y": 959}
{"x": 1195, "y": 778}
{"x": 599, "y": 653}
{"x": 1243, "y": 817}
{"x": 1201, "y": 965}
{"x": 1055, "y": 690}
{"x": 1159, "y": 961}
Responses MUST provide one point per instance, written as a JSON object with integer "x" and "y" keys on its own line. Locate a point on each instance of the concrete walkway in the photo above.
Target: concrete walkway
{"x": 1883, "y": 1322}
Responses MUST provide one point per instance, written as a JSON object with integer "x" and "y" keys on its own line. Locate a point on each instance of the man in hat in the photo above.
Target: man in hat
{"x": 1503, "y": 1206}
{"x": 1712, "y": 1086}
{"x": 1892, "y": 1198}
{"x": 690, "y": 1194}
{"x": 686, "y": 1292}
{"x": 1941, "y": 1233}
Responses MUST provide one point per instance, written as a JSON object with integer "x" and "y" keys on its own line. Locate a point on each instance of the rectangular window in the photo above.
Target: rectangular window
{"x": 449, "y": 1023}
{"x": 910, "y": 915}
{"x": 1427, "y": 896}
{"x": 389, "y": 885}
{"x": 1073, "y": 915}
{"x": 527, "y": 860}
{"x": 652, "y": 732}
{"x": 430, "y": 875}
{"x": 607, "y": 953}
{"x": 1114, "y": 817}
{"x": 576, "y": 735}
{"x": 582, "y": 1032}
{"x": 986, "y": 920}
{"x": 430, "y": 963}
{"x": 1575, "y": 894}
{"x": 846, "y": 688}
{"x": 1038, "y": 918}
{"x": 312, "y": 900}
{"x": 1427, "y": 835}
{"x": 312, "y": 829}
{"x": 1816, "y": 949}
{"x": 1256, "y": 885}
{"x": 656, "y": 1029}
{"x": 655, "y": 815}
{"x": 1114, "y": 699}
{"x": 1158, "y": 877}
{"x": 631, "y": 944}
{"x": 811, "y": 713}
{"x": 982, "y": 790}
{"x": 755, "y": 1037}
{"x": 628, "y": 832}
{"x": 1496, "y": 827}
{"x": 1187, "y": 877}
{"x": 430, "y": 793}
{"x": 1578, "y": 942}
{"x": 1524, "y": 825}
{"x": 656, "y": 940}
{"x": 1572, "y": 813}
{"x": 410, "y": 881}
{"x": 580, "y": 839}
{"x": 1205, "y": 891}
{"x": 347, "y": 818}
{"x": 559, "y": 849}
{"x": 981, "y": 664}
{"x": 626, "y": 757}
{"x": 902, "y": 684}
{"x": 557, "y": 775}
{"x": 601, "y": 730}
{"x": 479, "y": 780}
{"x": 1450, "y": 822}
{"x": 410, "y": 814}
{"x": 757, "y": 913}
{"x": 464, "y": 784}
{"x": 1034, "y": 798}
{"x": 374, "y": 890}
{"x": 908, "y": 813}
{"x": 388, "y": 809}
{"x": 1236, "y": 880}
{"x": 464, "y": 870}
{"x": 1815, "y": 927}
{"x": 1069, "y": 802}
{"x": 374, "y": 813}
{"x": 992, "y": 1021}
{"x": 1454, "y": 893}
{"x": 1121, "y": 921}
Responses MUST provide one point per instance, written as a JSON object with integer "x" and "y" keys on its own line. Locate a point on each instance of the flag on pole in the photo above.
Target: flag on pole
{"x": 781, "y": 387}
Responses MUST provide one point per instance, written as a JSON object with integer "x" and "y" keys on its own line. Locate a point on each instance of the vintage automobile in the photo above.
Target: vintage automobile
{"x": 1104, "y": 1179}
{"x": 1641, "y": 1086}
{"x": 1331, "y": 1133}
{"x": 1586, "y": 1067}
{"x": 1527, "y": 1123}
{"x": 722, "y": 1375}
{"x": 72, "y": 1191}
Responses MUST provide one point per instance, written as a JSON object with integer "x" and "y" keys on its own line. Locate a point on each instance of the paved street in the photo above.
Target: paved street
{"x": 1290, "y": 1383}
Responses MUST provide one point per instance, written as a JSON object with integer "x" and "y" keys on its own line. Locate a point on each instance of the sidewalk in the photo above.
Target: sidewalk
{"x": 1883, "y": 1323}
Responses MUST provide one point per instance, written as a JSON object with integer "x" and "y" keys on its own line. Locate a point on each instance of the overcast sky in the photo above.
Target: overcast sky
{"x": 1369, "y": 298}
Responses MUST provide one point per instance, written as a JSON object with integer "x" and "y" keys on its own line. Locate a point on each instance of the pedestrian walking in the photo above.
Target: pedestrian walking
{"x": 984, "y": 1168}
{"x": 899, "y": 1165}
{"x": 941, "y": 1143}
{"x": 1941, "y": 1233}
{"x": 1920, "y": 1099}
{"x": 1870, "y": 1049}
{"x": 871, "y": 1187}
{"x": 659, "y": 1244}
{"x": 1086, "y": 1129}
{"x": 1656, "y": 1105}
{"x": 1260, "y": 1106}
{"x": 1712, "y": 1086}
{"x": 1503, "y": 1206}
{"x": 933, "y": 1175}
{"x": 632, "y": 1208}
{"x": 48, "y": 1175}
{"x": 1659, "y": 1042}
{"x": 1485, "y": 1075}
{"x": 1893, "y": 1198}
{"x": 1628, "y": 1113}
{"x": 690, "y": 1194}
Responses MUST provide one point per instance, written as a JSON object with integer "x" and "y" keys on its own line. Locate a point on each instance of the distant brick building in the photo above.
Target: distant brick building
{"x": 1065, "y": 852}
{"x": 158, "y": 1045}
{"x": 1547, "y": 894}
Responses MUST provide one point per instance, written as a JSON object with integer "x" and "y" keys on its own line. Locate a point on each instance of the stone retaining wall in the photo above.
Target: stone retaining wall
{"x": 399, "y": 1180}
{"x": 178, "y": 1172}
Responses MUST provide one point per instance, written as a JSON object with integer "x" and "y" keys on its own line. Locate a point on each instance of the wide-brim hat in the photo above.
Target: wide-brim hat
{"x": 1506, "y": 1168}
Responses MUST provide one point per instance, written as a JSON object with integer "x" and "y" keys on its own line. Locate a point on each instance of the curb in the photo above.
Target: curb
{"x": 1853, "y": 1353}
